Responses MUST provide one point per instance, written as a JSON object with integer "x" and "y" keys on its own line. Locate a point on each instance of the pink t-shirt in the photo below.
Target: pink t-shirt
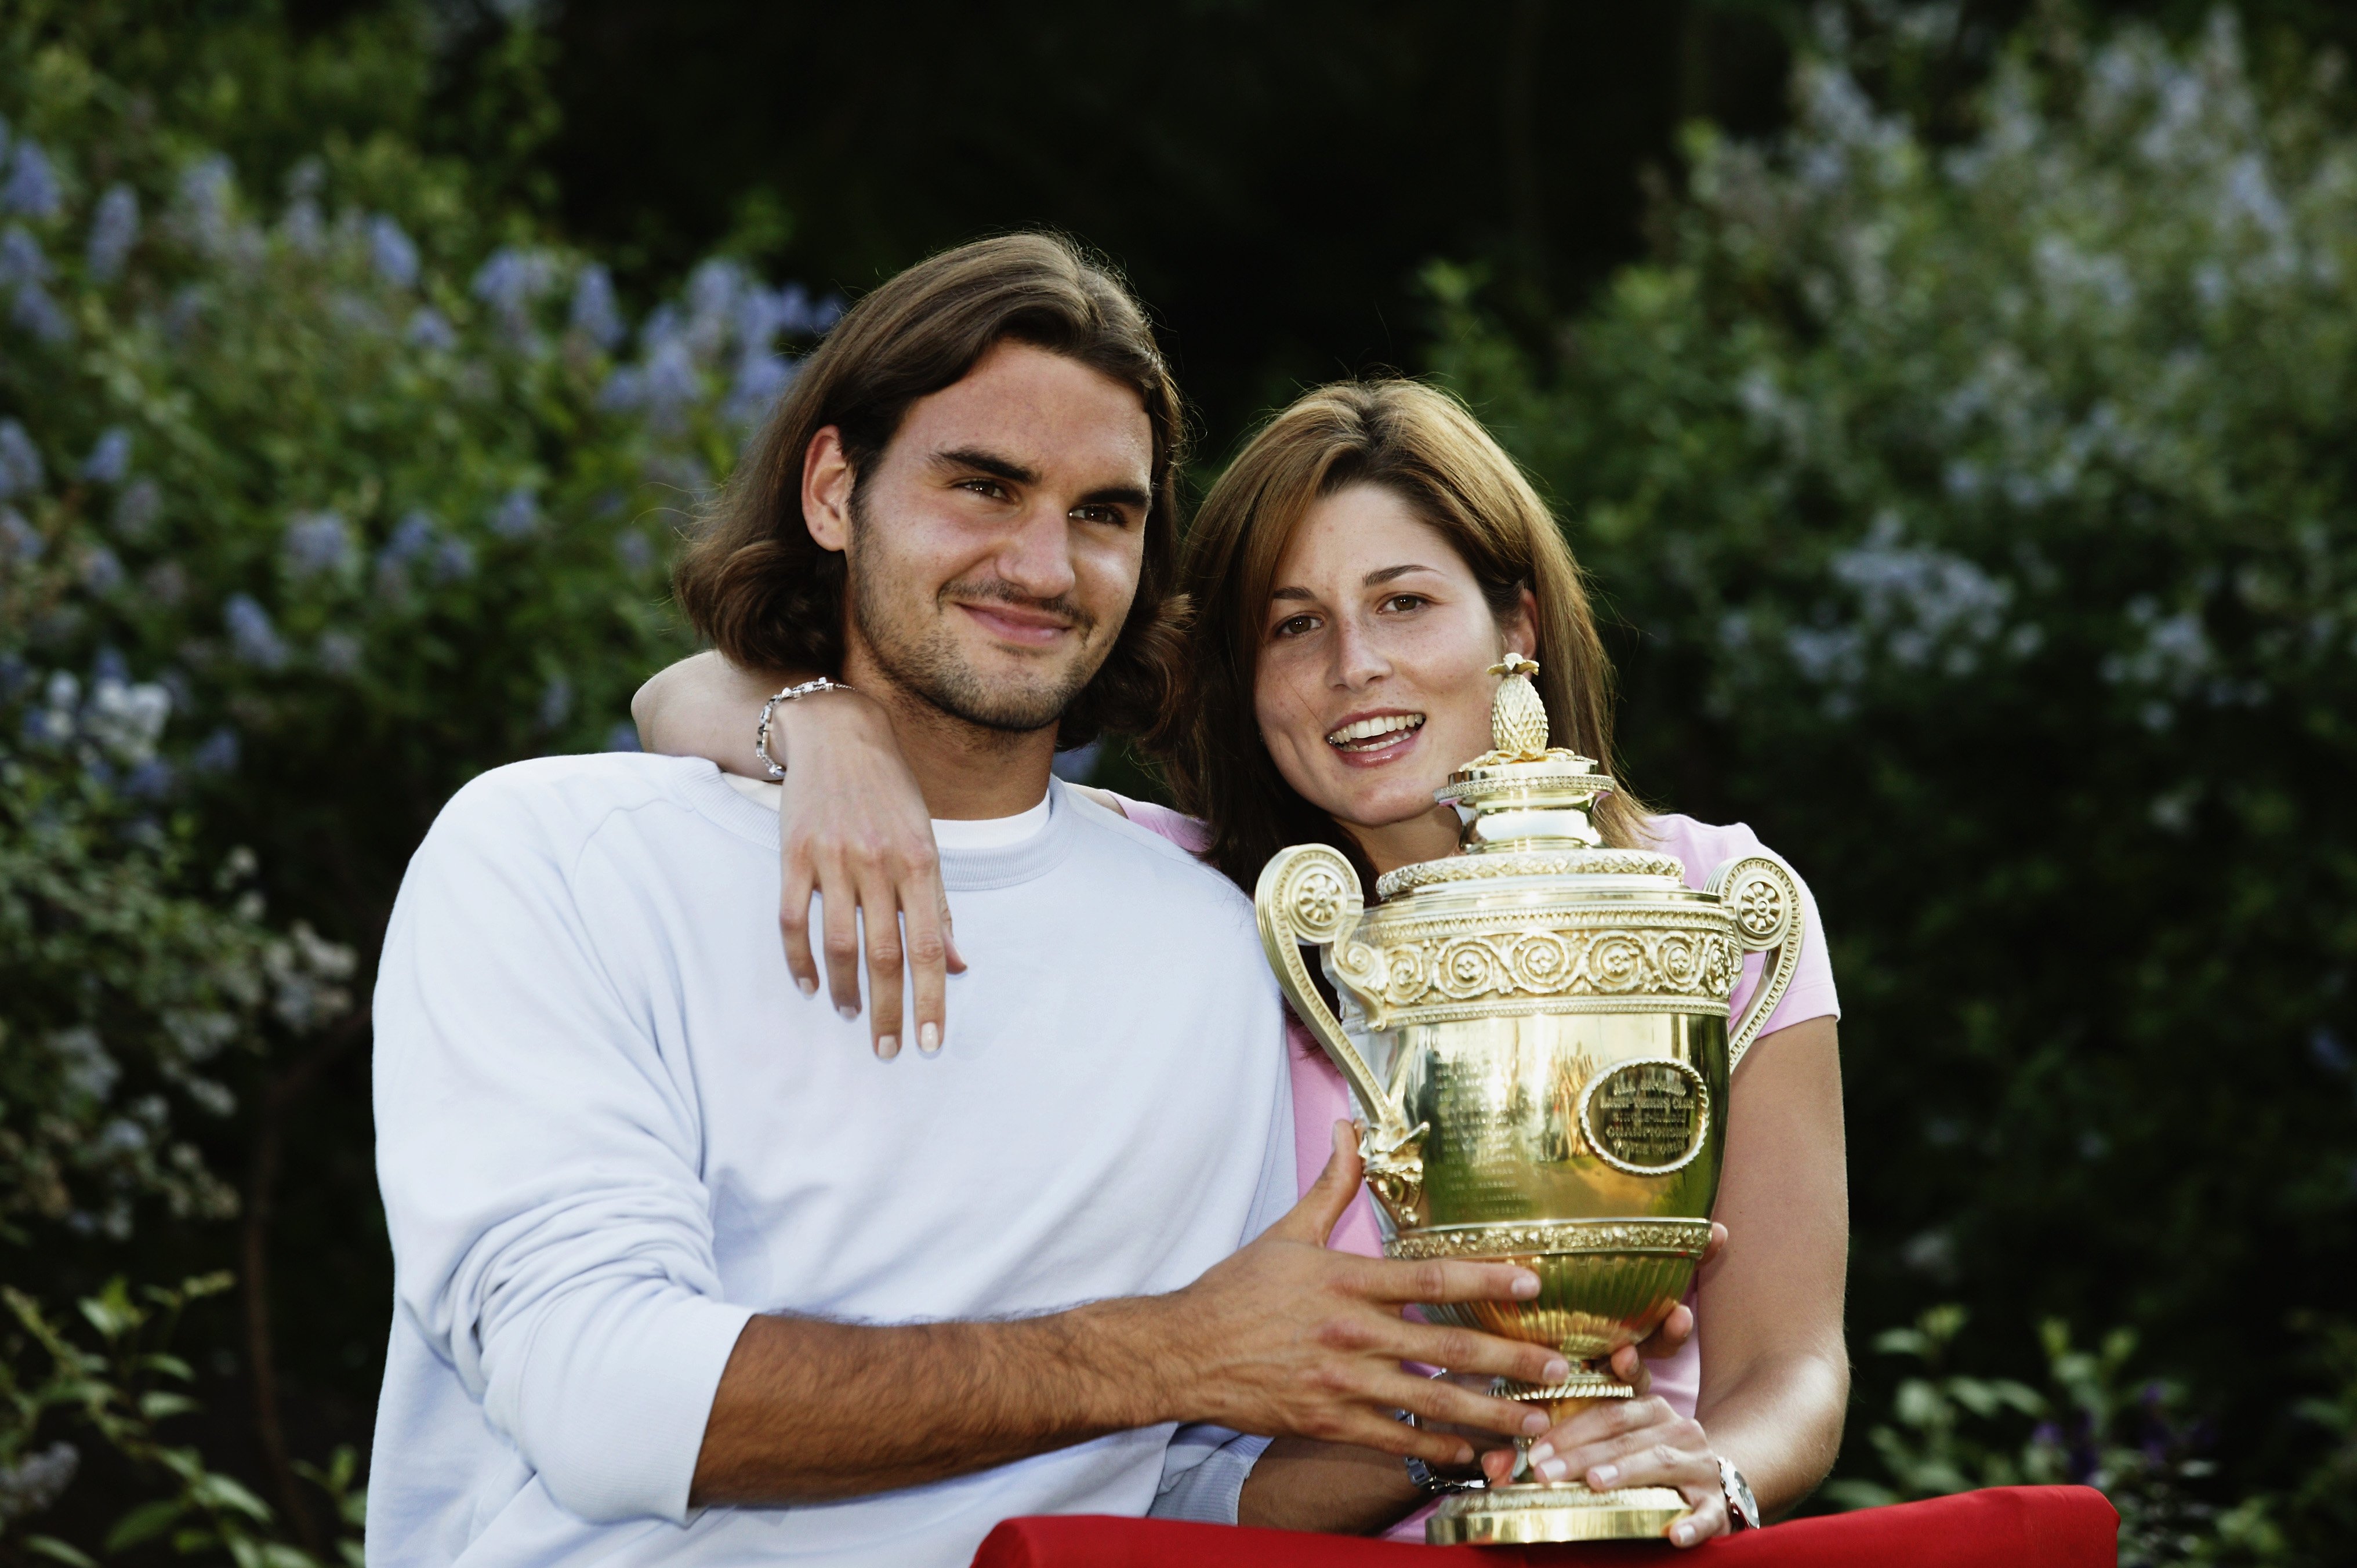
{"x": 1320, "y": 1099}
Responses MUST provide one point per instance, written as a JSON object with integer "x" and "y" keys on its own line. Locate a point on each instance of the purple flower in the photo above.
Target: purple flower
{"x": 595, "y": 315}
{"x": 301, "y": 226}
{"x": 392, "y": 252}
{"x": 430, "y": 329}
{"x": 671, "y": 385}
{"x": 206, "y": 188}
{"x": 761, "y": 377}
{"x": 20, "y": 461}
{"x": 556, "y": 702}
{"x": 151, "y": 780}
{"x": 32, "y": 188}
{"x": 19, "y": 541}
{"x": 413, "y": 536}
{"x": 517, "y": 516}
{"x": 511, "y": 280}
{"x": 793, "y": 307}
{"x": 623, "y": 737}
{"x": 252, "y": 634}
{"x": 218, "y": 754}
{"x": 317, "y": 542}
{"x": 38, "y": 314}
{"x": 22, "y": 260}
{"x": 101, "y": 570}
{"x": 113, "y": 229}
{"x": 630, "y": 547}
{"x": 110, "y": 459}
{"x": 453, "y": 559}
{"x": 136, "y": 508}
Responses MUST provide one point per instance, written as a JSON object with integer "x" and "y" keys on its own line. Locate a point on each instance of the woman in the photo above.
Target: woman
{"x": 1356, "y": 572}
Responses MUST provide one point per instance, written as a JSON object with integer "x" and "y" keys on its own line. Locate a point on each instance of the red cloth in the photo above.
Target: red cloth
{"x": 2004, "y": 1527}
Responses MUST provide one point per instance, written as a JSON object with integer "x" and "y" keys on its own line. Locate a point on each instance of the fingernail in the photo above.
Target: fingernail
{"x": 1535, "y": 1424}
{"x": 928, "y": 1038}
{"x": 1553, "y": 1470}
{"x": 1526, "y": 1284}
{"x": 807, "y": 987}
{"x": 848, "y": 1013}
{"x": 1682, "y": 1535}
{"x": 887, "y": 1046}
{"x": 1557, "y": 1370}
{"x": 1606, "y": 1474}
{"x": 1541, "y": 1453}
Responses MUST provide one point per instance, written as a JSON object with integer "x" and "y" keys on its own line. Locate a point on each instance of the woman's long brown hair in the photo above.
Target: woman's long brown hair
{"x": 1424, "y": 447}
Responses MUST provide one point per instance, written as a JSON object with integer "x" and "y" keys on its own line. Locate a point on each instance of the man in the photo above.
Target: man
{"x": 683, "y": 1274}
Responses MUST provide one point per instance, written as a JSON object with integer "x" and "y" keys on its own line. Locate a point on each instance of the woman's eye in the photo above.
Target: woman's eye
{"x": 1294, "y": 626}
{"x": 1405, "y": 602}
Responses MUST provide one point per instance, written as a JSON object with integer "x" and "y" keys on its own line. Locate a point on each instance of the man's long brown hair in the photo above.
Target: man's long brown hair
{"x": 760, "y": 589}
{"x": 1423, "y": 446}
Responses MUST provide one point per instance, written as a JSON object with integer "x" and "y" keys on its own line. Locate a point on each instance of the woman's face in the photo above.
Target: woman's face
{"x": 1375, "y": 651}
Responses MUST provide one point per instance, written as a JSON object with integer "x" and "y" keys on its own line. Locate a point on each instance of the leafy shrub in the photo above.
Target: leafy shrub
{"x": 1981, "y": 515}
{"x": 313, "y": 504}
{"x": 2094, "y": 1424}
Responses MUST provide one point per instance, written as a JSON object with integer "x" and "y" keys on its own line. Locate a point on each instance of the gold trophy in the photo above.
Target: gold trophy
{"x": 1535, "y": 1033}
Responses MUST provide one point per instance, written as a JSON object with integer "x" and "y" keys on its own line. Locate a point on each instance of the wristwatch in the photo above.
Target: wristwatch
{"x": 1742, "y": 1508}
{"x": 1422, "y": 1476}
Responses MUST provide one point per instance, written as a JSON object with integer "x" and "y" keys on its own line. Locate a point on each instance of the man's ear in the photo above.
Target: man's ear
{"x": 1520, "y": 628}
{"x": 828, "y": 479}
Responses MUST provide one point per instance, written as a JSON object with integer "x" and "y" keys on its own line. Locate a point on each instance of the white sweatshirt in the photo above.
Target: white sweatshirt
{"x": 609, "y": 1129}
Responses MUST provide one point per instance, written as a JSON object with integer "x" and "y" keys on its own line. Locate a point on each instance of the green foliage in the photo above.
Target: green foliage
{"x": 317, "y": 496}
{"x": 118, "y": 1393}
{"x": 1980, "y": 516}
{"x": 2096, "y": 1423}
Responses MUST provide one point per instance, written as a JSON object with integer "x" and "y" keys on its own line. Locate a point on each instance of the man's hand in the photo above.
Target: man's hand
{"x": 1287, "y": 1338}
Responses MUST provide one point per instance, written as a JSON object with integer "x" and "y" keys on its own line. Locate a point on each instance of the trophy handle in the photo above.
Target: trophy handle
{"x": 1762, "y": 893}
{"x": 1310, "y": 894}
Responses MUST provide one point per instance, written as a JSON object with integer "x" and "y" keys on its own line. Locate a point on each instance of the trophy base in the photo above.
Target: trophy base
{"x": 1524, "y": 1515}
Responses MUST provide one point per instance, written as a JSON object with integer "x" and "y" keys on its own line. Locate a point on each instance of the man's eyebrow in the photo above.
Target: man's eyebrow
{"x": 974, "y": 459}
{"x": 1118, "y": 495}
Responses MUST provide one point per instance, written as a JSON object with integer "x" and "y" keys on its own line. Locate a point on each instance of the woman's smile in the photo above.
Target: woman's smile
{"x": 1369, "y": 740}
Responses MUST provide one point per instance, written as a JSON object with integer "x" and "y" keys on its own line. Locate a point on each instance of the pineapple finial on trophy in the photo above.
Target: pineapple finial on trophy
{"x": 1518, "y": 720}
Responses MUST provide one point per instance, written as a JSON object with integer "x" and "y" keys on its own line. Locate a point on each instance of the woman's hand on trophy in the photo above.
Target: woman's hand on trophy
{"x": 1628, "y": 1363}
{"x": 1287, "y": 1338}
{"x": 1639, "y": 1442}
{"x": 854, "y": 829}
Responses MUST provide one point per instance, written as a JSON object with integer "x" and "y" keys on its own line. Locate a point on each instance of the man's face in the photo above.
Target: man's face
{"x": 995, "y": 548}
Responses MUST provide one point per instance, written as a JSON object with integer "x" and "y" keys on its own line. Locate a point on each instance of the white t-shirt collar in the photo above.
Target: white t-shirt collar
{"x": 983, "y": 832}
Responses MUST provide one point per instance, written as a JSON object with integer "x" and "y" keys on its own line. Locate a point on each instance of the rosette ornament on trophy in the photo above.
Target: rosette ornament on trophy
{"x": 1535, "y": 1032}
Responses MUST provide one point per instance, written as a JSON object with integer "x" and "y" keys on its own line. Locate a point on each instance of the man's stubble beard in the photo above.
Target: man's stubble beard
{"x": 925, "y": 661}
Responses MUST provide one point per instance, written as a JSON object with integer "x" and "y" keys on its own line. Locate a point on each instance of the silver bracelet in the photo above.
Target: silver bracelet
{"x": 761, "y": 736}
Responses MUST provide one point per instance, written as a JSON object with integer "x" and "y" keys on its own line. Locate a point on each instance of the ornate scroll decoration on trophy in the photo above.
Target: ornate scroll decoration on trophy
{"x": 1669, "y": 963}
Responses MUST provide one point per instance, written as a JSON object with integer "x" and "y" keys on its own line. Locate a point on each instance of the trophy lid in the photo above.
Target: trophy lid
{"x": 1528, "y": 806}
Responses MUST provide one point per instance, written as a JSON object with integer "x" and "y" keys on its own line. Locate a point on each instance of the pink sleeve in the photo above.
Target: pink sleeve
{"x": 1320, "y": 1099}
{"x": 1705, "y": 848}
{"x": 1188, "y": 833}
